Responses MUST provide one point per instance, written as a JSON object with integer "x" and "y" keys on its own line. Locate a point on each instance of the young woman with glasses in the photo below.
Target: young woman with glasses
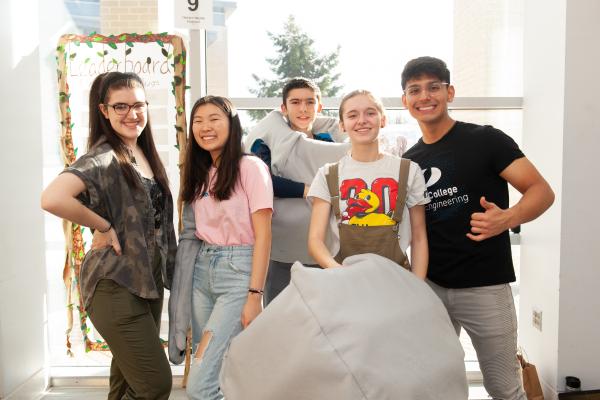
{"x": 120, "y": 190}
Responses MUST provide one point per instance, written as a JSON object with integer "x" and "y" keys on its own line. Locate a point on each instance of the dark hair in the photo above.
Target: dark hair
{"x": 418, "y": 67}
{"x": 101, "y": 130}
{"x": 360, "y": 92}
{"x": 300, "y": 83}
{"x": 198, "y": 161}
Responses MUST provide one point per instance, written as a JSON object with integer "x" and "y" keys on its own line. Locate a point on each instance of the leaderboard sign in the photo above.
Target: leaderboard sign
{"x": 193, "y": 14}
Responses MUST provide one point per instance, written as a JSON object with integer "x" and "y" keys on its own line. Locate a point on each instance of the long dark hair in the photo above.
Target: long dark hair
{"x": 198, "y": 161}
{"x": 101, "y": 130}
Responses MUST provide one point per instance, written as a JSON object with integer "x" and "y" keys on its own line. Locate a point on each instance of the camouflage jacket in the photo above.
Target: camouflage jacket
{"x": 130, "y": 211}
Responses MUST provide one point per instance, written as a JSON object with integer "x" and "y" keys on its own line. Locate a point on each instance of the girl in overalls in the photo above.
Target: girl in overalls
{"x": 232, "y": 200}
{"x": 377, "y": 199}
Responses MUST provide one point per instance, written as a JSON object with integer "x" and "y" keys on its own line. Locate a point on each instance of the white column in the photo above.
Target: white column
{"x": 560, "y": 261}
{"x": 22, "y": 272}
{"x": 197, "y": 66}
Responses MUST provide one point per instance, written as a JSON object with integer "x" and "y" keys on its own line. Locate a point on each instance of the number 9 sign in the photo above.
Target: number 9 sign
{"x": 193, "y": 5}
{"x": 193, "y": 14}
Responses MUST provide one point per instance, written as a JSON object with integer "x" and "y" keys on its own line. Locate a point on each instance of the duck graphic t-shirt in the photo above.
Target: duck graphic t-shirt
{"x": 368, "y": 193}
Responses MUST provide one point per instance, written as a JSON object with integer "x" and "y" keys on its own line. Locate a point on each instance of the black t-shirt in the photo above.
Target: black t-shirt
{"x": 460, "y": 168}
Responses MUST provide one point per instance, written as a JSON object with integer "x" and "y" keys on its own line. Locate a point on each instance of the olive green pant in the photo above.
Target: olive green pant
{"x": 130, "y": 325}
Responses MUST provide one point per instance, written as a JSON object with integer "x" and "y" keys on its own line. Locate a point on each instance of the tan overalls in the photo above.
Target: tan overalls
{"x": 381, "y": 240}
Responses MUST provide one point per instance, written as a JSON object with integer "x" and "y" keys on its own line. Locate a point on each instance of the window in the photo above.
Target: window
{"x": 480, "y": 41}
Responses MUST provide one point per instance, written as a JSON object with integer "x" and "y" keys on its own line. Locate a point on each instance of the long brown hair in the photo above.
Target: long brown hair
{"x": 101, "y": 130}
{"x": 198, "y": 161}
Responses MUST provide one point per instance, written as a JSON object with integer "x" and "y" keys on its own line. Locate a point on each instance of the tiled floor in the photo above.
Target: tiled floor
{"x": 79, "y": 393}
{"x": 475, "y": 393}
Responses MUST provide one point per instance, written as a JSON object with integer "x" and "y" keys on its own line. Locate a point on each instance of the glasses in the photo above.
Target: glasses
{"x": 432, "y": 88}
{"x": 123, "y": 108}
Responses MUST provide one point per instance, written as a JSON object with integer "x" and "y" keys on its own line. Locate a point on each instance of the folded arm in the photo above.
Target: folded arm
{"x": 60, "y": 199}
{"x": 537, "y": 198}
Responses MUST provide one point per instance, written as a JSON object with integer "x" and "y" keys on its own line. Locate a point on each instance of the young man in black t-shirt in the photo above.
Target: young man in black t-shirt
{"x": 467, "y": 170}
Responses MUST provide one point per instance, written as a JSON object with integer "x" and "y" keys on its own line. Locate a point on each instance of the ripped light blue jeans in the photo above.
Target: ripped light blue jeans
{"x": 220, "y": 290}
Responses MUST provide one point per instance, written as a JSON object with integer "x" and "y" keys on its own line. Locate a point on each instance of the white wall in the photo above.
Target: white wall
{"x": 22, "y": 274}
{"x": 579, "y": 331}
{"x": 29, "y": 115}
{"x": 560, "y": 256}
{"x": 543, "y": 90}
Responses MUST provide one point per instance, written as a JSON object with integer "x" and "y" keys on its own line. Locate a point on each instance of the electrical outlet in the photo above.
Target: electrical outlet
{"x": 537, "y": 320}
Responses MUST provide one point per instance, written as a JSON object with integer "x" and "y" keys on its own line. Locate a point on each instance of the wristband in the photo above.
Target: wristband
{"x": 254, "y": 290}
{"x": 107, "y": 229}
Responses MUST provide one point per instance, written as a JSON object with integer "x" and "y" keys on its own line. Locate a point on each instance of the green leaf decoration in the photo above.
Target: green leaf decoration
{"x": 72, "y": 55}
{"x": 112, "y": 45}
{"x": 130, "y": 44}
{"x": 173, "y": 92}
{"x": 164, "y": 53}
{"x": 89, "y": 44}
{"x": 178, "y": 128}
{"x": 68, "y": 109}
{"x": 177, "y": 146}
{"x": 176, "y": 59}
{"x": 179, "y": 110}
{"x": 114, "y": 61}
{"x": 87, "y": 60}
{"x": 71, "y": 126}
{"x": 100, "y": 54}
{"x": 77, "y": 43}
{"x": 92, "y": 34}
{"x": 183, "y": 61}
{"x": 160, "y": 43}
{"x": 60, "y": 47}
{"x": 178, "y": 80}
{"x": 163, "y": 34}
{"x": 148, "y": 33}
{"x": 133, "y": 34}
{"x": 97, "y": 39}
{"x": 75, "y": 152}
{"x": 127, "y": 52}
{"x": 123, "y": 37}
{"x": 148, "y": 60}
{"x": 187, "y": 87}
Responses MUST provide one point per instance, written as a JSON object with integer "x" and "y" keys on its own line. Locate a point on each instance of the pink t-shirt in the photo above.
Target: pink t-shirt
{"x": 229, "y": 222}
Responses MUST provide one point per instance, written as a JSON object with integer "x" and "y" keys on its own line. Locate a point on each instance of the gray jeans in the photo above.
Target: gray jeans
{"x": 487, "y": 314}
{"x": 278, "y": 278}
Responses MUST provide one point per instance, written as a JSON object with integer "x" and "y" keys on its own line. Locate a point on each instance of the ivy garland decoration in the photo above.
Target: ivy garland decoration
{"x": 173, "y": 49}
